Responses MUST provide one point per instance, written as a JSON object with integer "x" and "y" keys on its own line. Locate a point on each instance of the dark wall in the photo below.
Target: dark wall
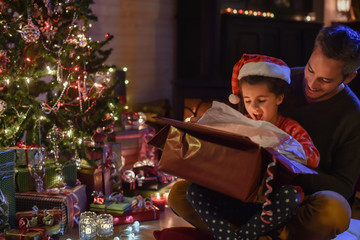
{"x": 209, "y": 44}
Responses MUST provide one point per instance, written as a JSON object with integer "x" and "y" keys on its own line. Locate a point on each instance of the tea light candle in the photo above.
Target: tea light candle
{"x": 87, "y": 229}
{"x": 105, "y": 225}
{"x": 158, "y": 201}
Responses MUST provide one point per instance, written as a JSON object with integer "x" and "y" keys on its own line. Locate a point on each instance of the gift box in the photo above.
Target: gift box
{"x": 36, "y": 233}
{"x": 24, "y": 154}
{"x": 24, "y": 181}
{"x": 70, "y": 201}
{"x": 131, "y": 142}
{"x": 97, "y": 152}
{"x": 162, "y": 188}
{"x": 223, "y": 161}
{"x": 7, "y": 186}
{"x": 95, "y": 177}
{"x": 116, "y": 207}
{"x": 55, "y": 212}
{"x": 141, "y": 214}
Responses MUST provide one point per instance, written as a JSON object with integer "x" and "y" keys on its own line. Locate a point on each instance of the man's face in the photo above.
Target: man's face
{"x": 323, "y": 77}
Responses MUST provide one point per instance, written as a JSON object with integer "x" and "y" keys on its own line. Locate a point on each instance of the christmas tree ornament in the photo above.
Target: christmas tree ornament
{"x": 36, "y": 168}
{"x": 3, "y": 106}
{"x": 2, "y": 6}
{"x": 54, "y": 136}
{"x": 4, "y": 27}
{"x": 82, "y": 40}
{"x": 58, "y": 9}
{"x": 48, "y": 218}
{"x": 4, "y": 60}
{"x": 49, "y": 7}
{"x": 30, "y": 33}
{"x": 99, "y": 136}
{"x": 100, "y": 77}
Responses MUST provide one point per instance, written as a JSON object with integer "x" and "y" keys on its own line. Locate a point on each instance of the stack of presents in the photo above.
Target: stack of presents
{"x": 43, "y": 197}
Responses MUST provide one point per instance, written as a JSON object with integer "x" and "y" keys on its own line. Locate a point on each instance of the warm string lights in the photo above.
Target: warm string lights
{"x": 48, "y": 62}
{"x": 248, "y": 12}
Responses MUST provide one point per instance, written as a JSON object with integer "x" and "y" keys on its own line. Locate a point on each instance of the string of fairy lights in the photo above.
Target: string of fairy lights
{"x": 71, "y": 77}
{"x": 235, "y": 11}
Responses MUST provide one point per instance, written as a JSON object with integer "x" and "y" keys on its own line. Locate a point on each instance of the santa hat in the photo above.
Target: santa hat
{"x": 257, "y": 65}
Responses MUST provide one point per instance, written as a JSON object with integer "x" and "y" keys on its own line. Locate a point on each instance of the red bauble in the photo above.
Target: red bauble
{"x": 107, "y": 35}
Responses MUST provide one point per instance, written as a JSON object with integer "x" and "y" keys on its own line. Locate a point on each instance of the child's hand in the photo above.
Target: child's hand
{"x": 192, "y": 119}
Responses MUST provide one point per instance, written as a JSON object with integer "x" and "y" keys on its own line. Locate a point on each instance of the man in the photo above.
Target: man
{"x": 330, "y": 112}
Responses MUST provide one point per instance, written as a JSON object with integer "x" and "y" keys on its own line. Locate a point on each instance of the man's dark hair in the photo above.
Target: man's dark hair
{"x": 341, "y": 43}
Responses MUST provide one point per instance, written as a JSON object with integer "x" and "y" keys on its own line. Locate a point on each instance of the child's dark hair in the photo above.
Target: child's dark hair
{"x": 275, "y": 85}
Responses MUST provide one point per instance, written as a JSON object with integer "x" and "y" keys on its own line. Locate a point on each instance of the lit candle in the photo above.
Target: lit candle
{"x": 105, "y": 225}
{"x": 158, "y": 201}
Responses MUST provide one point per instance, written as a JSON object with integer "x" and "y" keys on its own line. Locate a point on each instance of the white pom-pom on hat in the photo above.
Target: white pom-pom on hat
{"x": 234, "y": 99}
{"x": 257, "y": 65}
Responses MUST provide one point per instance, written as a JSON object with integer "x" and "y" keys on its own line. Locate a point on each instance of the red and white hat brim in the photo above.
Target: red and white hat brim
{"x": 266, "y": 69}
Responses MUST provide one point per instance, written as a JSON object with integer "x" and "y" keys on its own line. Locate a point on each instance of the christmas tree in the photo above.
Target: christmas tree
{"x": 52, "y": 74}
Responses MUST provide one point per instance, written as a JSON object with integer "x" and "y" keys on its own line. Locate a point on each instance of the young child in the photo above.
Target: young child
{"x": 263, "y": 82}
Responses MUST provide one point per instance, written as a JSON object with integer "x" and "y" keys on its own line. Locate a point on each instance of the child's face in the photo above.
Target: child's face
{"x": 260, "y": 103}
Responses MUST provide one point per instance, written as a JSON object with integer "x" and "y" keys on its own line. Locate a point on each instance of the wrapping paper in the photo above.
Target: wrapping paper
{"x": 24, "y": 181}
{"x": 137, "y": 214}
{"x": 33, "y": 233}
{"x": 120, "y": 207}
{"x": 223, "y": 117}
{"x": 97, "y": 152}
{"x": 131, "y": 142}
{"x": 95, "y": 178}
{"x": 24, "y": 154}
{"x": 71, "y": 202}
{"x": 56, "y": 212}
{"x": 7, "y": 182}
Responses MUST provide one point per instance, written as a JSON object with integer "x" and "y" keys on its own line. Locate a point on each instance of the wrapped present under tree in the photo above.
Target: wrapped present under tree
{"x": 7, "y": 188}
{"x": 70, "y": 201}
{"x": 24, "y": 181}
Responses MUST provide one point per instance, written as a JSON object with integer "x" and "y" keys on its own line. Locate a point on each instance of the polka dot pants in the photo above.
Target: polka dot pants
{"x": 220, "y": 212}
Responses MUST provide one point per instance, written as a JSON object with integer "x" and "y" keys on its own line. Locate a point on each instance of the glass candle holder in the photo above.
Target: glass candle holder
{"x": 88, "y": 214}
{"x": 159, "y": 201}
{"x": 87, "y": 229}
{"x": 105, "y": 225}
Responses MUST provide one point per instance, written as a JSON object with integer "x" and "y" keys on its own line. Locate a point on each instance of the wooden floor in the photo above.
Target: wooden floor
{"x": 167, "y": 219}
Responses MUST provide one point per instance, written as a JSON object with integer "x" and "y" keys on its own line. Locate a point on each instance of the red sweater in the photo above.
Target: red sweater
{"x": 295, "y": 130}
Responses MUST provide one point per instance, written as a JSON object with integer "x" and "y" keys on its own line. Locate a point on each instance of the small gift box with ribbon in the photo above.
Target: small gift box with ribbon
{"x": 144, "y": 210}
{"x": 24, "y": 153}
{"x": 7, "y": 189}
{"x": 97, "y": 152}
{"x": 71, "y": 201}
{"x": 25, "y": 231}
{"x": 96, "y": 177}
{"x": 114, "y": 203}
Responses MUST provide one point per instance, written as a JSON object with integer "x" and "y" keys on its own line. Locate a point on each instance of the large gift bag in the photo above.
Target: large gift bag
{"x": 225, "y": 161}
